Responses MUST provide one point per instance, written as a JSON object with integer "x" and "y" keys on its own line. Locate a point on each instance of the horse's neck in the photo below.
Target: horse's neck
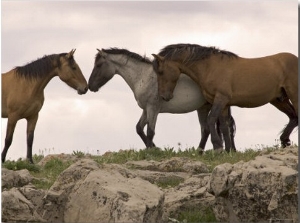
{"x": 196, "y": 70}
{"x": 41, "y": 83}
{"x": 134, "y": 72}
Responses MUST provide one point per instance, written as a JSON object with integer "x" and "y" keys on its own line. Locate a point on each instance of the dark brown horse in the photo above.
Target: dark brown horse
{"x": 23, "y": 92}
{"x": 229, "y": 80}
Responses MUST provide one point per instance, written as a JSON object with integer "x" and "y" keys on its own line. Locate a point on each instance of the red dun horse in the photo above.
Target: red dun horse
{"x": 229, "y": 80}
{"x": 23, "y": 92}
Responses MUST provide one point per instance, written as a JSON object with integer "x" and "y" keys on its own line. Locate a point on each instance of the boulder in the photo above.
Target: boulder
{"x": 88, "y": 192}
{"x": 258, "y": 190}
{"x": 12, "y": 178}
{"x": 21, "y": 204}
{"x": 190, "y": 195}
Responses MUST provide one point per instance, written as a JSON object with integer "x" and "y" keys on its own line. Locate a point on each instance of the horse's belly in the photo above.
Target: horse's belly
{"x": 254, "y": 99}
{"x": 187, "y": 97}
{"x": 3, "y": 112}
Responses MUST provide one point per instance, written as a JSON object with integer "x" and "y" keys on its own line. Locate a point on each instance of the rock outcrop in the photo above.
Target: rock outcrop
{"x": 260, "y": 190}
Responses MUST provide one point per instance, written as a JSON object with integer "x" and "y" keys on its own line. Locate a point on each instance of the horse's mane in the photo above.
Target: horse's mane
{"x": 193, "y": 52}
{"x": 127, "y": 53}
{"x": 40, "y": 67}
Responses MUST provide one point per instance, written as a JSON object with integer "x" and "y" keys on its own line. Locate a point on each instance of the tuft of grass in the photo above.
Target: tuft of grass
{"x": 195, "y": 214}
{"x": 168, "y": 182}
{"x": 124, "y": 156}
{"x": 212, "y": 159}
{"x": 20, "y": 165}
{"x": 79, "y": 154}
{"x": 49, "y": 173}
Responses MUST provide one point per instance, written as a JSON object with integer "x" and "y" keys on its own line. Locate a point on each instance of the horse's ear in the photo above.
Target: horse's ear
{"x": 70, "y": 54}
{"x": 101, "y": 53}
{"x": 157, "y": 63}
{"x": 158, "y": 58}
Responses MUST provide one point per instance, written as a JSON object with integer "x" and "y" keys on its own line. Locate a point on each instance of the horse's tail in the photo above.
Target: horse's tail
{"x": 290, "y": 71}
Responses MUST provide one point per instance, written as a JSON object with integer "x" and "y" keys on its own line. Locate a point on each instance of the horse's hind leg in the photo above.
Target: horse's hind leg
{"x": 286, "y": 107}
{"x": 31, "y": 123}
{"x": 11, "y": 124}
{"x": 232, "y": 128}
{"x": 225, "y": 128}
{"x": 203, "y": 112}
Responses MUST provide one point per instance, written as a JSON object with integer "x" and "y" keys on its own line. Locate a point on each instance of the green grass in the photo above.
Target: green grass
{"x": 210, "y": 158}
{"x": 168, "y": 182}
{"x": 49, "y": 173}
{"x": 20, "y": 165}
{"x": 194, "y": 214}
{"x": 44, "y": 176}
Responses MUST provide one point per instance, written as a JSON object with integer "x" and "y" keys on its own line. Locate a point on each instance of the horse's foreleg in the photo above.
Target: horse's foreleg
{"x": 152, "y": 114}
{"x": 31, "y": 123}
{"x": 218, "y": 107}
{"x": 202, "y": 116}
{"x": 140, "y": 127}
{"x": 11, "y": 124}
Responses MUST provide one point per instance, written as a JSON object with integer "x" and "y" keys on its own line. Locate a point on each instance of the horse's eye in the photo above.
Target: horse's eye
{"x": 74, "y": 68}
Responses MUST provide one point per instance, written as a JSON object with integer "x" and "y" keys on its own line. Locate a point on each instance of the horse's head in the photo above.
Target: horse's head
{"x": 167, "y": 76}
{"x": 70, "y": 73}
{"x": 102, "y": 72}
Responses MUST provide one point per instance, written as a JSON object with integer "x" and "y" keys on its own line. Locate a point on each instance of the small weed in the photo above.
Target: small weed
{"x": 37, "y": 158}
{"x": 79, "y": 154}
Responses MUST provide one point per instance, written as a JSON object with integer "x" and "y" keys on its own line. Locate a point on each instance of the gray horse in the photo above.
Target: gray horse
{"x": 138, "y": 73}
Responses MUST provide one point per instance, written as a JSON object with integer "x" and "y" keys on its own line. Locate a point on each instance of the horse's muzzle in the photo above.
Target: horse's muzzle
{"x": 167, "y": 97}
{"x": 93, "y": 89}
{"x": 82, "y": 90}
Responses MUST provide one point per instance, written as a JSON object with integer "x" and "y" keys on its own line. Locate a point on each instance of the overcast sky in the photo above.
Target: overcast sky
{"x": 106, "y": 120}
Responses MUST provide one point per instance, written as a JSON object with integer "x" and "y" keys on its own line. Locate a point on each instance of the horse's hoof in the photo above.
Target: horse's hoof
{"x": 230, "y": 150}
{"x": 219, "y": 150}
{"x": 285, "y": 143}
{"x": 201, "y": 151}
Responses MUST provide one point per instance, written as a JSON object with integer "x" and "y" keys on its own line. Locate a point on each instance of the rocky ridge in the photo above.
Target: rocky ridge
{"x": 262, "y": 190}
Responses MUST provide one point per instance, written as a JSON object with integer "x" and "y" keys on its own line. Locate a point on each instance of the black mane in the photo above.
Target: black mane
{"x": 40, "y": 67}
{"x": 127, "y": 53}
{"x": 194, "y": 52}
